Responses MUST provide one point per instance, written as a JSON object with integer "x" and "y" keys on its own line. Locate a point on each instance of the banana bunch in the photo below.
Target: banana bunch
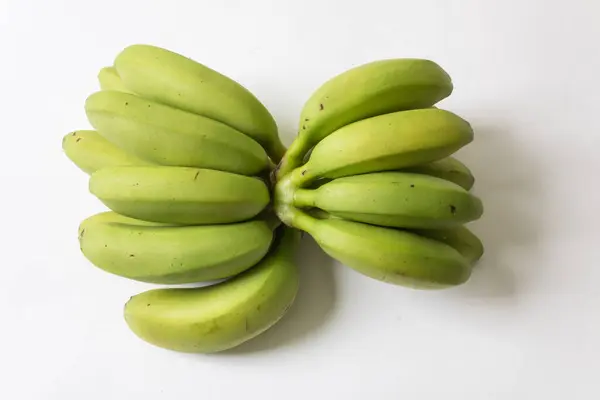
{"x": 373, "y": 179}
{"x": 199, "y": 188}
{"x": 180, "y": 155}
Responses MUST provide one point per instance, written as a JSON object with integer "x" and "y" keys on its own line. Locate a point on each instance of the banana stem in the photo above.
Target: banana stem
{"x": 301, "y": 220}
{"x": 294, "y": 157}
{"x": 304, "y": 198}
{"x": 283, "y": 198}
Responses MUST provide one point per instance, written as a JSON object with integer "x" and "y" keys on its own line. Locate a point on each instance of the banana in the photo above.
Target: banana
{"x": 170, "y": 78}
{"x": 169, "y": 254}
{"x": 180, "y": 195}
{"x": 89, "y": 151}
{"x": 169, "y": 136}
{"x": 371, "y": 89}
{"x": 449, "y": 169}
{"x": 386, "y": 142}
{"x": 394, "y": 199}
{"x": 219, "y": 317}
{"x": 390, "y": 255}
{"x": 461, "y": 238}
{"x": 109, "y": 79}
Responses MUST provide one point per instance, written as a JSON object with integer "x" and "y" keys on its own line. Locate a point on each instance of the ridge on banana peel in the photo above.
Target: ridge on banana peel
{"x": 386, "y": 142}
{"x": 222, "y": 316}
{"x": 173, "y": 254}
{"x": 371, "y": 89}
{"x": 109, "y": 79}
{"x": 172, "y": 79}
{"x": 165, "y": 135}
{"x": 89, "y": 151}
{"x": 180, "y": 195}
{"x": 389, "y": 255}
{"x": 394, "y": 199}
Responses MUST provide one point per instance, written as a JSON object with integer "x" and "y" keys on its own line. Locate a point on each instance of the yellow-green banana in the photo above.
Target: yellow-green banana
{"x": 386, "y": 142}
{"x": 395, "y": 199}
{"x": 109, "y": 79}
{"x": 170, "y": 78}
{"x": 169, "y": 136}
{"x": 448, "y": 168}
{"x": 461, "y": 238}
{"x": 390, "y": 255}
{"x": 219, "y": 317}
{"x": 371, "y": 89}
{"x": 161, "y": 253}
{"x": 90, "y": 152}
{"x": 180, "y": 195}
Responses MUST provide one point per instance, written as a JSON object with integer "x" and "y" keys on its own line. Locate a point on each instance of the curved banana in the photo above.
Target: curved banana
{"x": 180, "y": 195}
{"x": 386, "y": 142}
{"x": 161, "y": 253}
{"x": 461, "y": 238}
{"x": 371, "y": 89}
{"x": 169, "y": 136}
{"x": 170, "y": 78}
{"x": 89, "y": 151}
{"x": 394, "y": 199}
{"x": 219, "y": 317}
{"x": 389, "y": 255}
{"x": 448, "y": 168}
{"x": 109, "y": 79}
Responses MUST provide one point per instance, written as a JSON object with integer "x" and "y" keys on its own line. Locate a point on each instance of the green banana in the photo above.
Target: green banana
{"x": 109, "y": 79}
{"x": 390, "y": 255}
{"x": 461, "y": 238}
{"x": 168, "y": 136}
{"x": 222, "y": 316}
{"x": 386, "y": 142}
{"x": 89, "y": 151}
{"x": 168, "y": 254}
{"x": 448, "y": 168}
{"x": 371, "y": 89}
{"x": 170, "y": 78}
{"x": 180, "y": 195}
{"x": 395, "y": 199}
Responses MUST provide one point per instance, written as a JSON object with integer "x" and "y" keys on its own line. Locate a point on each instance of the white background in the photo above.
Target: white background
{"x": 526, "y": 326}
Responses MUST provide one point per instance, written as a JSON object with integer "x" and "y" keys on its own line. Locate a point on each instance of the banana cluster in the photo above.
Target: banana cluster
{"x": 373, "y": 179}
{"x": 181, "y": 155}
{"x": 199, "y": 188}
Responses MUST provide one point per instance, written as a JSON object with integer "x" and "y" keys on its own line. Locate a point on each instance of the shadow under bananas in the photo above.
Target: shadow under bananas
{"x": 507, "y": 181}
{"x": 314, "y": 302}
